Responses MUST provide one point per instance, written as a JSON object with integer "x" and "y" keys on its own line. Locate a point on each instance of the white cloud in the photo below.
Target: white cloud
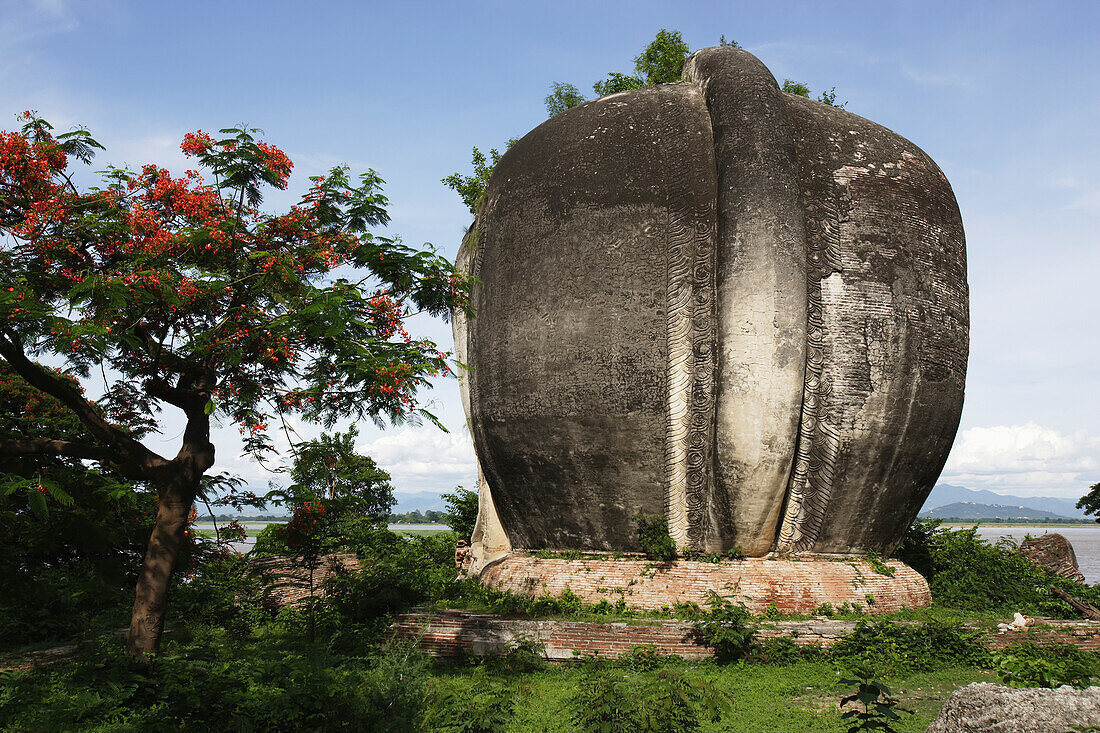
{"x": 425, "y": 458}
{"x": 1029, "y": 458}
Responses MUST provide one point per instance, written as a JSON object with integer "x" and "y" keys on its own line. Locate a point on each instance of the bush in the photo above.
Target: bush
{"x": 966, "y": 572}
{"x": 654, "y": 538}
{"x": 727, "y": 629}
{"x": 484, "y": 708}
{"x": 894, "y": 648}
{"x": 216, "y": 687}
{"x": 603, "y": 704}
{"x": 406, "y": 572}
{"x": 1030, "y": 665}
{"x": 778, "y": 650}
{"x": 645, "y": 658}
{"x": 270, "y": 542}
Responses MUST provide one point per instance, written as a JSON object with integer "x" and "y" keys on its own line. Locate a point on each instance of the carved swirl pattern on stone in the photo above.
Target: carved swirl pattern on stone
{"x": 818, "y": 438}
{"x": 679, "y": 316}
{"x": 690, "y": 322}
{"x": 702, "y": 391}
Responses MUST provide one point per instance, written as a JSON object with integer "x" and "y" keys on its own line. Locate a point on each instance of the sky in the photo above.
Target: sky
{"x": 1001, "y": 94}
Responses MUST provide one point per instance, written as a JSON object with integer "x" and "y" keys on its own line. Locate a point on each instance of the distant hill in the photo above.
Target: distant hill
{"x": 972, "y": 510}
{"x": 945, "y": 494}
{"x": 420, "y": 501}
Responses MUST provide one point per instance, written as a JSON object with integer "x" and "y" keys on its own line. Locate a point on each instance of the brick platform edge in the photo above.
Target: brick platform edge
{"x": 460, "y": 633}
{"x": 793, "y": 586}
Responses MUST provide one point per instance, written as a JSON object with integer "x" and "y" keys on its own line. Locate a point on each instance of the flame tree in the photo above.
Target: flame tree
{"x": 181, "y": 293}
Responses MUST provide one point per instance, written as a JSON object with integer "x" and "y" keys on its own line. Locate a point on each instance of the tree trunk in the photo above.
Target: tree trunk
{"x": 177, "y": 494}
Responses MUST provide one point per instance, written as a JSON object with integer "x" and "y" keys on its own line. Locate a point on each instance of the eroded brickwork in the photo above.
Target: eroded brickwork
{"x": 793, "y": 586}
{"x": 459, "y": 633}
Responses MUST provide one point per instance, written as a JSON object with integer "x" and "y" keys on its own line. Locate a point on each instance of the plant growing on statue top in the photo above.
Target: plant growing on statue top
{"x": 654, "y": 538}
{"x": 193, "y": 298}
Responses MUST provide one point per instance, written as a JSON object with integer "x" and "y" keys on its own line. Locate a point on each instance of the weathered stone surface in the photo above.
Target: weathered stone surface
{"x": 712, "y": 300}
{"x": 985, "y": 708}
{"x": 1054, "y": 552}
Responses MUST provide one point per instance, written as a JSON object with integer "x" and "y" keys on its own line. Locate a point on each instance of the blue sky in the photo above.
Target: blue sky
{"x": 1001, "y": 94}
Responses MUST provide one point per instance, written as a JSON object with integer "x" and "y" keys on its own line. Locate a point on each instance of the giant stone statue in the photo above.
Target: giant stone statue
{"x": 715, "y": 301}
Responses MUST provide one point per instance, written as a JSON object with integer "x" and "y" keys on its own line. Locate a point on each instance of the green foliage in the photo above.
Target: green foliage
{"x": 966, "y": 572}
{"x": 671, "y": 704}
{"x": 397, "y": 573}
{"x": 777, "y": 650}
{"x": 428, "y": 516}
{"x": 727, "y": 629}
{"x": 916, "y": 545}
{"x": 217, "y": 686}
{"x": 461, "y": 514}
{"x": 662, "y": 61}
{"x": 892, "y": 647}
{"x": 654, "y": 538}
{"x": 829, "y": 98}
{"x": 562, "y": 96}
{"x": 604, "y": 704}
{"x": 71, "y": 537}
{"x": 730, "y": 43}
{"x": 617, "y": 82}
{"x": 329, "y": 469}
{"x": 794, "y": 87}
{"x": 645, "y": 658}
{"x": 270, "y": 541}
{"x": 484, "y": 708}
{"x": 879, "y": 709}
{"x": 1028, "y": 664}
{"x": 472, "y": 188}
{"x": 1090, "y": 502}
{"x": 875, "y": 561}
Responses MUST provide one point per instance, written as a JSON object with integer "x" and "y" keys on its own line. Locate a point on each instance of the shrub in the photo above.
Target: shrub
{"x": 964, "y": 571}
{"x": 603, "y": 704}
{"x": 892, "y": 647}
{"x": 1028, "y": 664}
{"x": 270, "y": 541}
{"x": 778, "y": 650}
{"x": 727, "y": 629}
{"x": 654, "y": 538}
{"x": 484, "y": 708}
{"x": 218, "y": 687}
{"x": 522, "y": 656}
{"x": 644, "y": 658}
{"x": 670, "y": 704}
{"x": 408, "y": 572}
{"x": 879, "y": 708}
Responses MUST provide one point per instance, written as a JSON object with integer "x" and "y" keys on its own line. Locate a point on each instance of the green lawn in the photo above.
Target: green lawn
{"x": 799, "y": 697}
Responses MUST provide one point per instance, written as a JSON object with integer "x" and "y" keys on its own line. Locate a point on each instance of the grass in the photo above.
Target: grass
{"x": 798, "y": 697}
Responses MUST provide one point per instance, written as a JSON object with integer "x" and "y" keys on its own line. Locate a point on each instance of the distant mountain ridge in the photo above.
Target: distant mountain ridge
{"x": 945, "y": 494}
{"x": 972, "y": 510}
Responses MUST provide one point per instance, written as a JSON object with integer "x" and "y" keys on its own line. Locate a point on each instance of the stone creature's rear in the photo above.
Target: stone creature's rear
{"x": 712, "y": 300}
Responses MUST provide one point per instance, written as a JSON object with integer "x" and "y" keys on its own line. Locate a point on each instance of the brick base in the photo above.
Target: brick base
{"x": 793, "y": 586}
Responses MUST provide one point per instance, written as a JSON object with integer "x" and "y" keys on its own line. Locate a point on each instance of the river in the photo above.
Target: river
{"x": 248, "y": 543}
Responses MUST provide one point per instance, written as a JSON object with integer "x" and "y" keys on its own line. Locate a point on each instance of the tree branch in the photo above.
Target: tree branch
{"x": 43, "y": 446}
{"x": 124, "y": 447}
